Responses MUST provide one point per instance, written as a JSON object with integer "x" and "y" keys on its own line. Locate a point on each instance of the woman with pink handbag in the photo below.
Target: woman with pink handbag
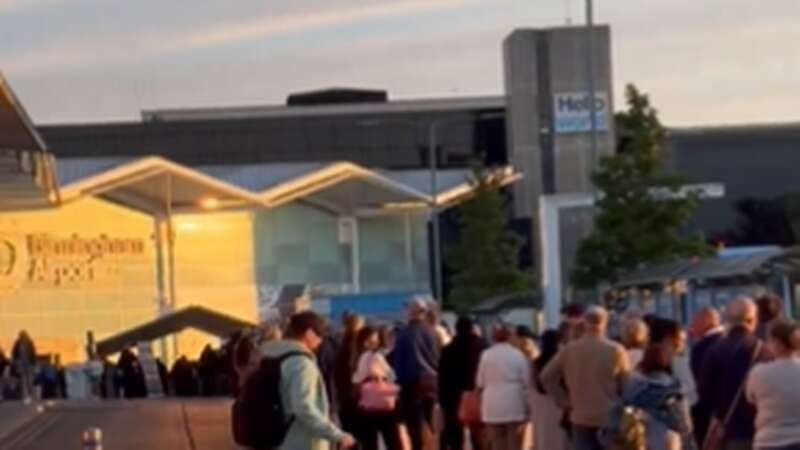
{"x": 374, "y": 379}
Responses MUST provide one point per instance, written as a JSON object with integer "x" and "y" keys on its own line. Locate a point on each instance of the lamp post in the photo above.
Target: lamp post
{"x": 438, "y": 291}
{"x": 590, "y": 81}
{"x": 432, "y": 129}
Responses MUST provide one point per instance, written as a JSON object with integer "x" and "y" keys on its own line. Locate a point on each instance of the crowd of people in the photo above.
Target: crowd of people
{"x": 211, "y": 375}
{"x": 729, "y": 381}
{"x": 25, "y": 376}
{"x": 718, "y": 384}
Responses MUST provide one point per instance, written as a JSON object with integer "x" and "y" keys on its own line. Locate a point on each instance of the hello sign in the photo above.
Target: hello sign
{"x": 572, "y": 112}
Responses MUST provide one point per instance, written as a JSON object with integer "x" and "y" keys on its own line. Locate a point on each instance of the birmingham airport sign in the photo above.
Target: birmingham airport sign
{"x": 56, "y": 261}
{"x": 572, "y": 112}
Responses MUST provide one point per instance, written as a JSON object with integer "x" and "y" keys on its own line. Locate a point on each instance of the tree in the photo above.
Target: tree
{"x": 485, "y": 259}
{"x": 633, "y": 227}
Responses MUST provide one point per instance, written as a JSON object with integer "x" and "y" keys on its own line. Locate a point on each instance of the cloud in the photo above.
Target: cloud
{"x": 284, "y": 24}
{"x": 437, "y": 63}
{"x": 105, "y": 50}
{"x": 9, "y": 6}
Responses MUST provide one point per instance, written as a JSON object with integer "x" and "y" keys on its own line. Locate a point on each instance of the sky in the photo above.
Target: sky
{"x": 703, "y": 62}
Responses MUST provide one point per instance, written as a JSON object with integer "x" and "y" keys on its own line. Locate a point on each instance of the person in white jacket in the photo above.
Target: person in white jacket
{"x": 504, "y": 379}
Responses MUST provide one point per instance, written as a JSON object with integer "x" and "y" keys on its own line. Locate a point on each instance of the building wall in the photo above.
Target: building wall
{"x": 92, "y": 265}
{"x": 214, "y": 267}
{"x": 754, "y": 163}
{"x": 550, "y": 143}
{"x": 59, "y": 291}
{"x": 390, "y": 140}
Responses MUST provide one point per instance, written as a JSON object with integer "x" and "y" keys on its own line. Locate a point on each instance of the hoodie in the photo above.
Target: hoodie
{"x": 304, "y": 396}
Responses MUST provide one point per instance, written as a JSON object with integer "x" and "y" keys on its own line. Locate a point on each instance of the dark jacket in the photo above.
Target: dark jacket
{"x": 326, "y": 359}
{"x": 700, "y": 352}
{"x": 24, "y": 351}
{"x": 344, "y": 368}
{"x": 457, "y": 368}
{"x": 416, "y": 355}
{"x": 725, "y": 370}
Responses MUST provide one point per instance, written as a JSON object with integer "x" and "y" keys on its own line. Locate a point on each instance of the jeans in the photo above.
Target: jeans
{"x": 417, "y": 403}
{"x": 373, "y": 425}
{"x": 506, "y": 436}
{"x": 585, "y": 438}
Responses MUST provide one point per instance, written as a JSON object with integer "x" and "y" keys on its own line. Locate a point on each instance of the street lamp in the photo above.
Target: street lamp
{"x": 432, "y": 131}
{"x": 591, "y": 87}
{"x": 434, "y": 209}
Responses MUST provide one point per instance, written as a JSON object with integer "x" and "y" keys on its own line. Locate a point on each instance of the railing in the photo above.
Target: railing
{"x": 39, "y": 167}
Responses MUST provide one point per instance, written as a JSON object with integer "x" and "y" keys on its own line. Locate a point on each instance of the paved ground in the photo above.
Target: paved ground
{"x": 139, "y": 425}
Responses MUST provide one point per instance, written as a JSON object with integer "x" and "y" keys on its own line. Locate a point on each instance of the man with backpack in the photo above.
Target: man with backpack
{"x": 284, "y": 404}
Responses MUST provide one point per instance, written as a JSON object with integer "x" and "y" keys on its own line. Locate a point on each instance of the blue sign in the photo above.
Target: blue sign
{"x": 573, "y": 112}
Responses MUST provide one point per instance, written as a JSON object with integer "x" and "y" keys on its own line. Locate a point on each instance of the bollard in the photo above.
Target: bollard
{"x": 93, "y": 439}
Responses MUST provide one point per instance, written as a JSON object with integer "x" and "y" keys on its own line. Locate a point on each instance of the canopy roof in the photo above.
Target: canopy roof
{"x": 153, "y": 185}
{"x": 197, "y": 317}
{"x": 156, "y": 185}
{"x": 453, "y": 185}
{"x": 729, "y": 264}
{"x": 16, "y": 128}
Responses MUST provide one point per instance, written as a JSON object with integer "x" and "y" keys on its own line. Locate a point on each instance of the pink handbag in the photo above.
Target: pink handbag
{"x": 378, "y": 396}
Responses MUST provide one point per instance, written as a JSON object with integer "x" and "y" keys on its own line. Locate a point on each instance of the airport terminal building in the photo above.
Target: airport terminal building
{"x": 225, "y": 207}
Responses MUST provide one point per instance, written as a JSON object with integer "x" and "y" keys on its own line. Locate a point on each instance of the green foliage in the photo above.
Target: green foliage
{"x": 485, "y": 260}
{"x": 633, "y": 227}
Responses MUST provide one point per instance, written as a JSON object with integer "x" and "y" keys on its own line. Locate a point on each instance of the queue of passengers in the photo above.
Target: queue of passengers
{"x": 719, "y": 385}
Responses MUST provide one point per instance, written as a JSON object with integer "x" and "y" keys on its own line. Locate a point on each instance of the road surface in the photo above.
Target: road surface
{"x": 130, "y": 425}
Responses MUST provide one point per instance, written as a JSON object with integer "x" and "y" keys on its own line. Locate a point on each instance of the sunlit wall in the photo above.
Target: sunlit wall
{"x": 213, "y": 268}
{"x": 86, "y": 266}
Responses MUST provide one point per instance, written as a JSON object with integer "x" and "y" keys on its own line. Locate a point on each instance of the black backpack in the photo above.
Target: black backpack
{"x": 258, "y": 416}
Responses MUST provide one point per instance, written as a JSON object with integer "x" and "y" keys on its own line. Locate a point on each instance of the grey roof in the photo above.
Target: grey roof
{"x": 260, "y": 111}
{"x": 71, "y": 170}
{"x": 726, "y": 265}
{"x": 732, "y": 266}
{"x": 260, "y": 177}
{"x": 656, "y": 274}
{"x": 420, "y": 180}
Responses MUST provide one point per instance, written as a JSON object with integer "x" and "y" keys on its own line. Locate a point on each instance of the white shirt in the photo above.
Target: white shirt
{"x": 504, "y": 375}
{"x": 774, "y": 389}
{"x": 373, "y": 365}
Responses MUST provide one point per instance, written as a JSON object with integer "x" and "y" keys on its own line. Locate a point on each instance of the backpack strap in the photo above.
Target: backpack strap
{"x": 280, "y": 360}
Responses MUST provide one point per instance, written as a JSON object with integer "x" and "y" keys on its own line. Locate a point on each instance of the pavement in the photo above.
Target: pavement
{"x": 152, "y": 424}
{"x": 15, "y": 415}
